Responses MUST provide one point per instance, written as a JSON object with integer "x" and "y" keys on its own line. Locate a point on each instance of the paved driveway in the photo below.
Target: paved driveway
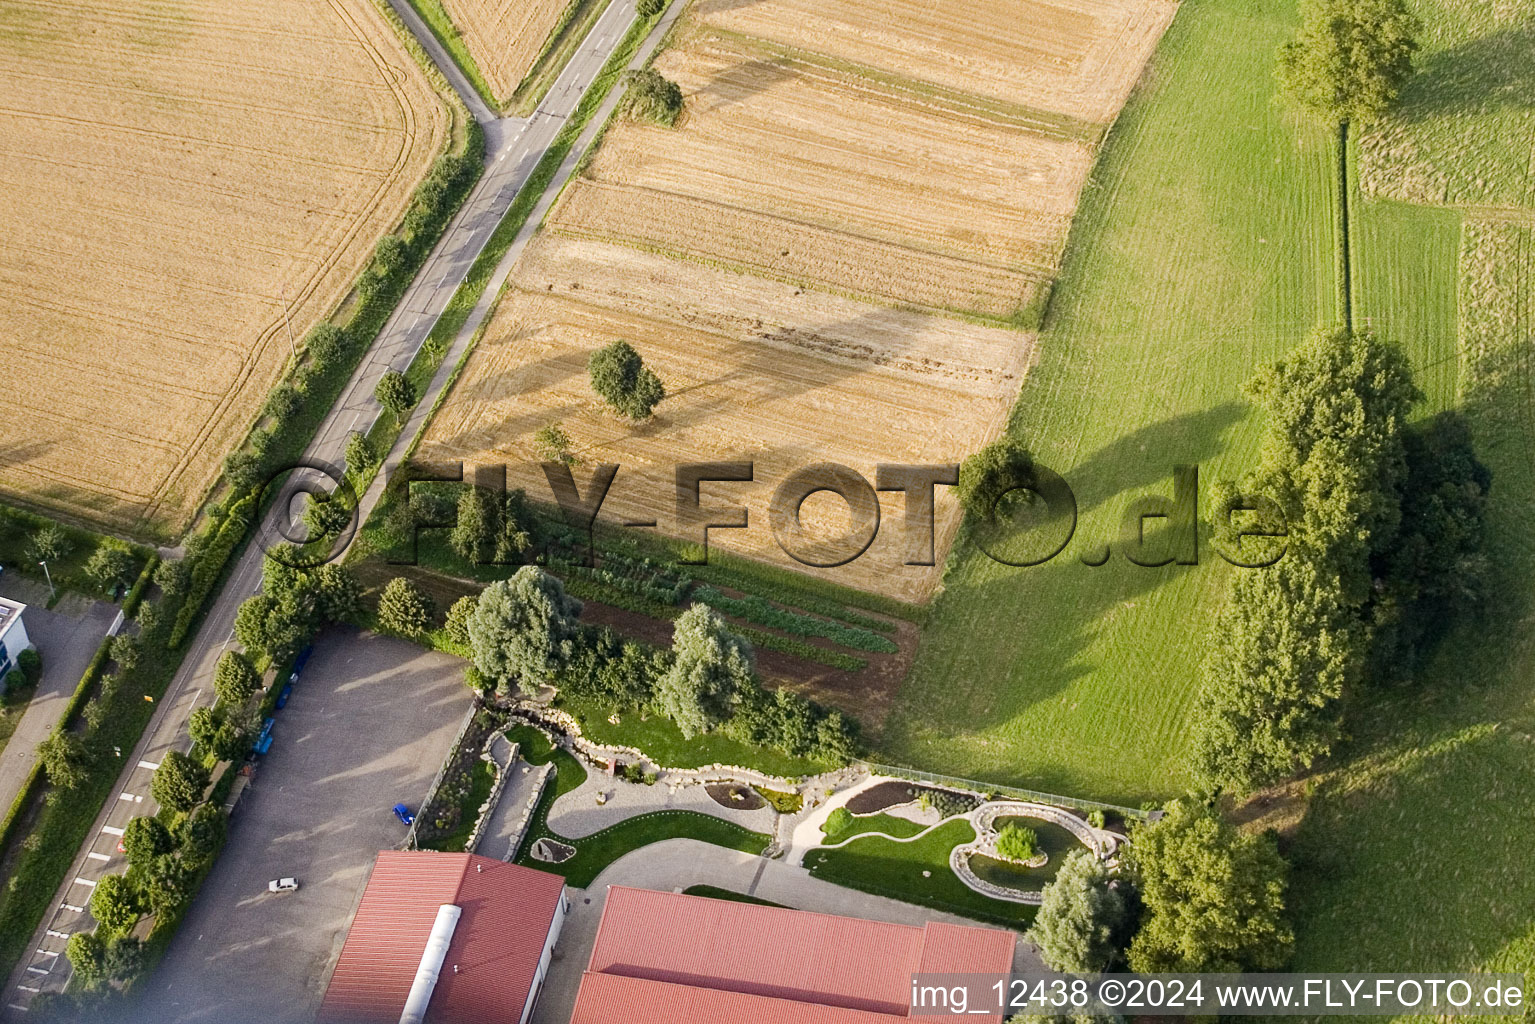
{"x": 66, "y": 638}
{"x": 368, "y": 725}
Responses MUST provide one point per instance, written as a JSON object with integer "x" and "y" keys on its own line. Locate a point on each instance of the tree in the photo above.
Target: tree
{"x": 48, "y": 543}
{"x": 114, "y": 904}
{"x": 146, "y": 838}
{"x": 214, "y": 731}
{"x": 325, "y": 342}
{"x": 457, "y": 626}
{"x": 87, "y": 954}
{"x": 173, "y": 576}
{"x": 179, "y": 782}
{"x": 621, "y": 378}
{"x": 203, "y": 832}
{"x": 650, "y": 8}
{"x": 360, "y": 457}
{"x": 488, "y": 528}
{"x": 390, "y": 257}
{"x": 1004, "y": 467}
{"x": 405, "y": 608}
{"x": 553, "y": 445}
{"x": 110, "y": 566}
{"x": 711, "y": 668}
{"x": 338, "y": 595}
{"x": 124, "y": 958}
{"x": 167, "y": 883}
{"x": 1351, "y": 58}
{"x": 65, "y": 759}
{"x": 125, "y": 651}
{"x": 652, "y": 97}
{"x": 1214, "y": 896}
{"x": 327, "y": 517}
{"x": 1084, "y": 918}
{"x": 838, "y": 821}
{"x": 1294, "y": 638}
{"x": 244, "y": 469}
{"x": 235, "y": 679}
{"x": 523, "y": 629}
{"x": 1017, "y": 843}
{"x": 395, "y": 393}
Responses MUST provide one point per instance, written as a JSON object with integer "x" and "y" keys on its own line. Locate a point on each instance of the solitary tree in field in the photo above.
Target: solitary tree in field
{"x": 523, "y": 629}
{"x": 621, "y": 378}
{"x": 1082, "y": 924}
{"x": 1001, "y": 468}
{"x": 710, "y": 670}
{"x": 1214, "y": 896}
{"x": 553, "y": 445}
{"x": 179, "y": 782}
{"x": 405, "y": 608}
{"x": 1351, "y": 59}
{"x": 652, "y": 97}
{"x": 395, "y": 393}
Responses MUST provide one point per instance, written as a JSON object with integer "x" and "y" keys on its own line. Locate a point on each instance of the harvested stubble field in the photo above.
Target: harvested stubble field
{"x": 835, "y": 181}
{"x": 1079, "y": 58}
{"x": 824, "y": 261}
{"x": 754, "y": 369}
{"x": 505, "y": 36}
{"x": 170, "y": 173}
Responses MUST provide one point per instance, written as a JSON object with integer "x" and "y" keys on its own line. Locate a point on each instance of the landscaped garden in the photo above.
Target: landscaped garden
{"x": 916, "y": 872}
{"x": 597, "y": 851}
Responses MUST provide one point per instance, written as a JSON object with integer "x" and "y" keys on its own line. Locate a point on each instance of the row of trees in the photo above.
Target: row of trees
{"x": 1384, "y": 526}
{"x": 1194, "y": 894}
{"x": 524, "y": 632}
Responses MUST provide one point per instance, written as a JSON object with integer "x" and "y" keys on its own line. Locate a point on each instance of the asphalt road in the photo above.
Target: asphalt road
{"x": 513, "y": 148}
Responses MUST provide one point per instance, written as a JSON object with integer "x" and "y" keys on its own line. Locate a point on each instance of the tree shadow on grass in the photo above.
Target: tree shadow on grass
{"x": 1492, "y": 72}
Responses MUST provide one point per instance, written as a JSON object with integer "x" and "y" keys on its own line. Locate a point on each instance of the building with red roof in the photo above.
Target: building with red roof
{"x": 666, "y": 958}
{"x": 446, "y": 938}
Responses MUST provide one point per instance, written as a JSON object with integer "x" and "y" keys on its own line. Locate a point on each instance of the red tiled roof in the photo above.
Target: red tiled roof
{"x": 811, "y": 960}
{"x": 612, "y": 997}
{"x": 507, "y": 913}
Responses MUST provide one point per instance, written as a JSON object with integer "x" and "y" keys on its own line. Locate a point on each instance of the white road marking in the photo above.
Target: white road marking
{"x": 112, "y": 830}
{"x": 58, "y": 935}
{"x": 71, "y": 906}
{"x": 151, "y": 765}
{"x": 84, "y": 881}
{"x": 47, "y": 952}
{"x": 93, "y": 855}
{"x": 36, "y": 970}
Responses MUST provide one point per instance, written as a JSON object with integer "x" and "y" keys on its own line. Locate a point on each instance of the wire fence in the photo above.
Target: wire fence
{"x": 1010, "y": 792}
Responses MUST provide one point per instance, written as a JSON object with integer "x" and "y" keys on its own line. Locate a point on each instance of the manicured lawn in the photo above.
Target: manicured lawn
{"x": 714, "y": 892}
{"x": 660, "y": 738}
{"x": 597, "y": 851}
{"x": 884, "y": 824}
{"x": 1203, "y": 248}
{"x": 885, "y": 868}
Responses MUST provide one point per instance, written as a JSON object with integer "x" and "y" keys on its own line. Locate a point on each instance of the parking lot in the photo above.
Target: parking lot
{"x": 367, "y": 726}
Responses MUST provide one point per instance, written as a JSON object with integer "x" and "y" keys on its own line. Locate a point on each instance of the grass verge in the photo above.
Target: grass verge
{"x": 441, "y": 25}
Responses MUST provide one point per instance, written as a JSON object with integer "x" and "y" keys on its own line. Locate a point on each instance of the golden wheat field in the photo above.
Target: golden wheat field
{"x": 754, "y": 369}
{"x": 505, "y": 36}
{"x": 172, "y": 172}
{"x": 825, "y": 261}
{"x": 1074, "y": 57}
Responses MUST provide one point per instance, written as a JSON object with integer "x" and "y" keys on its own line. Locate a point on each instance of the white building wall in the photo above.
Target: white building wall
{"x": 547, "y": 955}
